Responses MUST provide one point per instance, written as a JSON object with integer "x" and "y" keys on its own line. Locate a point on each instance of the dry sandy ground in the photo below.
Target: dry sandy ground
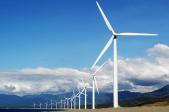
{"x": 128, "y": 109}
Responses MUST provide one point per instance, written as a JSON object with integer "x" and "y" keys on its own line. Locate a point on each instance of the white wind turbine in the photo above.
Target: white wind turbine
{"x": 75, "y": 102}
{"x": 64, "y": 104}
{"x": 34, "y": 105}
{"x": 67, "y": 102}
{"x": 85, "y": 93}
{"x": 114, "y": 37}
{"x": 51, "y": 104}
{"x": 56, "y": 105}
{"x": 76, "y": 96}
{"x": 61, "y": 106}
{"x": 40, "y": 105}
{"x": 95, "y": 84}
{"x": 72, "y": 100}
{"x": 46, "y": 105}
{"x": 79, "y": 96}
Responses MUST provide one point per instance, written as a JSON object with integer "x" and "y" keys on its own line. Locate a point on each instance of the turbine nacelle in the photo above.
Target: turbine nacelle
{"x": 115, "y": 36}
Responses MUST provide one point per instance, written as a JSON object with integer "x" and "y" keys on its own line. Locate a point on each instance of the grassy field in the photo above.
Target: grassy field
{"x": 128, "y": 109}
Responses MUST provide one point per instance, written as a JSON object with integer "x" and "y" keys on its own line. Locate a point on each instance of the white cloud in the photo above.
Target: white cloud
{"x": 135, "y": 74}
{"x": 159, "y": 50}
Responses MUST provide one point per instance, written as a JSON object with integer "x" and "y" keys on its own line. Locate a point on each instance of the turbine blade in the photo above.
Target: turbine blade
{"x": 100, "y": 68}
{"x": 105, "y": 18}
{"x": 95, "y": 82}
{"x": 136, "y": 34}
{"x": 103, "y": 51}
{"x": 82, "y": 91}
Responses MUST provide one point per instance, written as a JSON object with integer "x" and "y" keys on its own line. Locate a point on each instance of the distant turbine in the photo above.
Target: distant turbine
{"x": 51, "y": 104}
{"x": 79, "y": 96}
{"x": 34, "y": 105}
{"x": 76, "y": 96}
{"x": 67, "y": 102}
{"x": 85, "y": 94}
{"x": 56, "y": 105}
{"x": 61, "y": 104}
{"x": 64, "y": 104}
{"x": 40, "y": 105}
{"x": 72, "y": 100}
{"x": 114, "y": 37}
{"x": 46, "y": 105}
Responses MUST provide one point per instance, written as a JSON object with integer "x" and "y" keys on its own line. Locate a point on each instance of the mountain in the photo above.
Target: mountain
{"x": 160, "y": 95}
{"x": 126, "y": 98}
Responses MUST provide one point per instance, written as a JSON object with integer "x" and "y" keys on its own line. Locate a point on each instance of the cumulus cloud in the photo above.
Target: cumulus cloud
{"x": 39, "y": 80}
{"x": 159, "y": 50}
{"x": 135, "y": 74}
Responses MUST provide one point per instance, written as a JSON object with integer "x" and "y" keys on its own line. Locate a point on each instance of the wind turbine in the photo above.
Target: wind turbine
{"x": 61, "y": 104}
{"x": 64, "y": 104}
{"x": 85, "y": 94}
{"x": 40, "y": 105}
{"x": 56, "y": 105}
{"x": 46, "y": 105}
{"x": 67, "y": 102}
{"x": 51, "y": 104}
{"x": 79, "y": 96}
{"x": 95, "y": 84}
{"x": 76, "y": 96}
{"x": 72, "y": 100}
{"x": 34, "y": 105}
{"x": 114, "y": 39}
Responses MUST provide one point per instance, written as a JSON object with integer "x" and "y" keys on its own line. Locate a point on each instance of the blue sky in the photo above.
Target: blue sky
{"x": 71, "y": 33}
{"x": 44, "y": 43}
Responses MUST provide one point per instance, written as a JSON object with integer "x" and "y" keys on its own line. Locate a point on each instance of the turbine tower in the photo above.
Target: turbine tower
{"x": 114, "y": 39}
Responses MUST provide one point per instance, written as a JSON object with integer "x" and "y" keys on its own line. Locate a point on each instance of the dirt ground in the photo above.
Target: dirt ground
{"x": 128, "y": 109}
